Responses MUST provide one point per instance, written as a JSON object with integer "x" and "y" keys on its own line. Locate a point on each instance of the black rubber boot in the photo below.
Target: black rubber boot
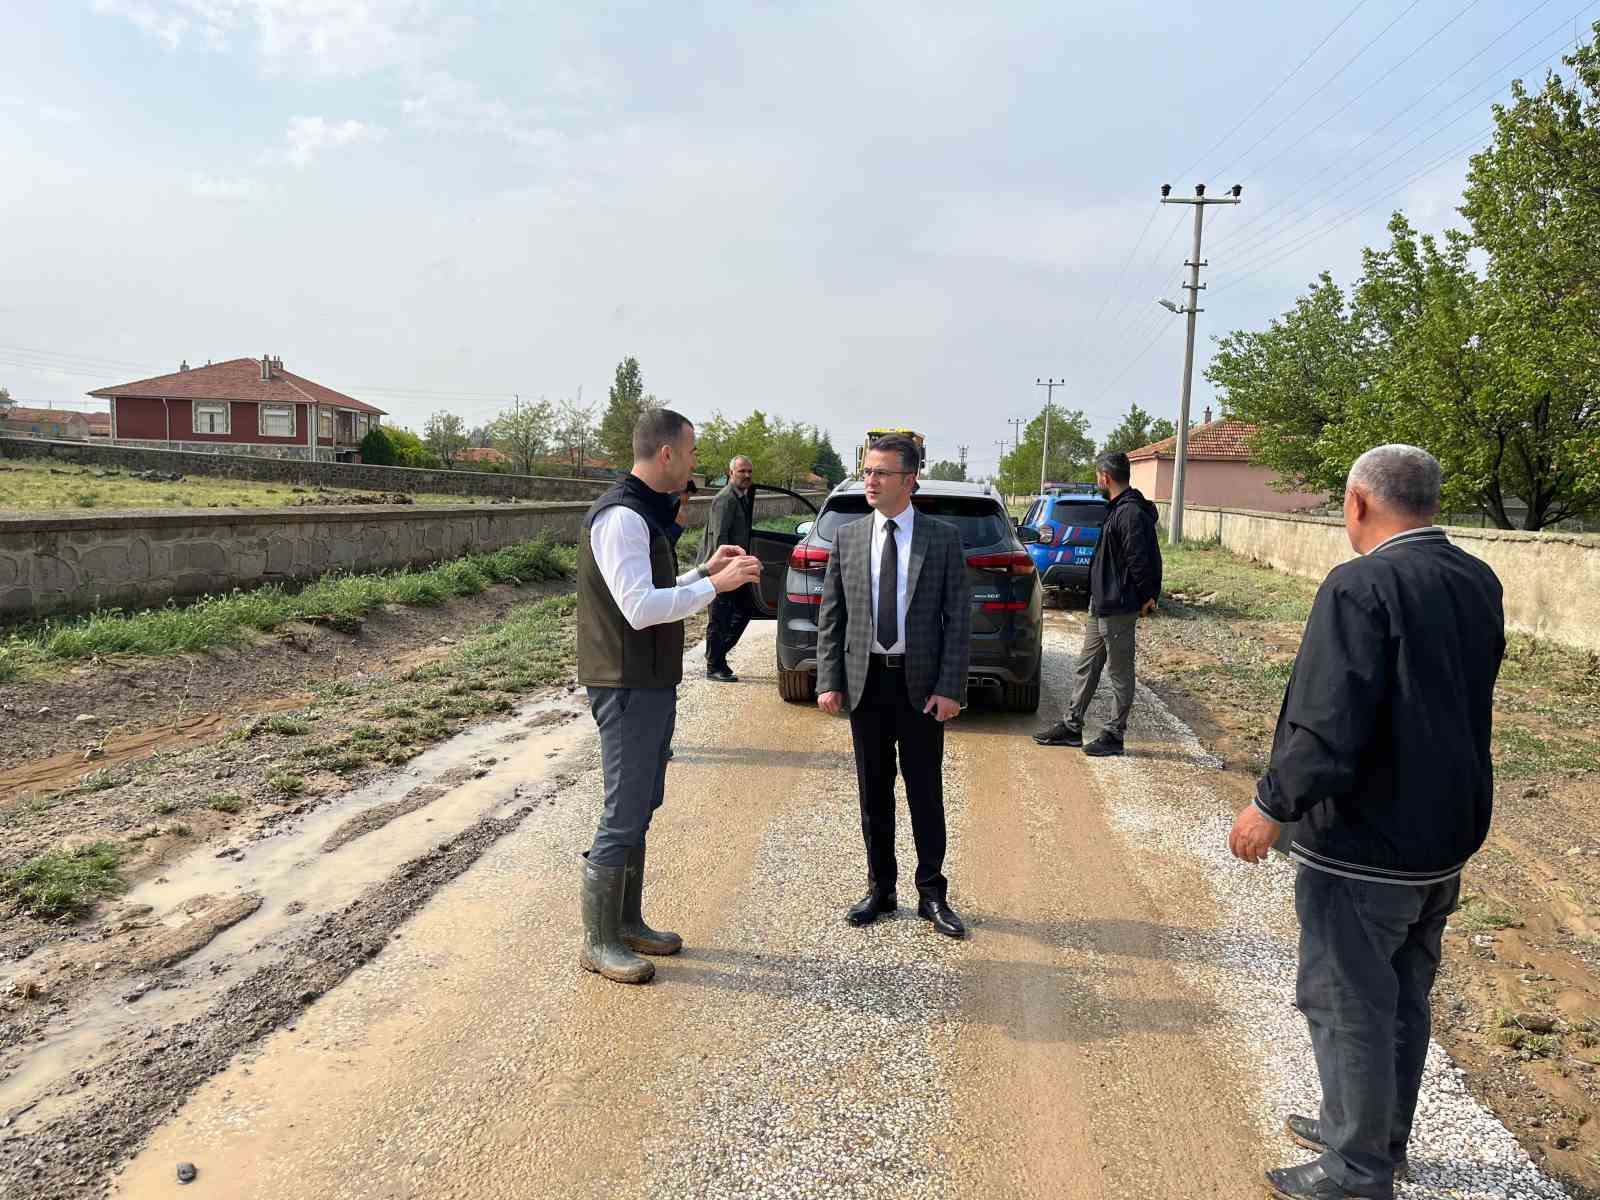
{"x": 632, "y": 929}
{"x": 603, "y": 950}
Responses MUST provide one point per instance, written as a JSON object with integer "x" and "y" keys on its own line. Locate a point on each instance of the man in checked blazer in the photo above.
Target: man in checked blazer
{"x": 893, "y": 643}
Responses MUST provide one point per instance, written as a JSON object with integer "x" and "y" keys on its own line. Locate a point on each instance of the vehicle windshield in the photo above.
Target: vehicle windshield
{"x": 1069, "y": 513}
{"x": 980, "y": 520}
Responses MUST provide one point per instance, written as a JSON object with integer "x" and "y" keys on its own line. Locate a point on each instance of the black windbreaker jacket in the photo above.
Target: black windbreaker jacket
{"x": 1381, "y": 754}
{"x": 1126, "y": 568}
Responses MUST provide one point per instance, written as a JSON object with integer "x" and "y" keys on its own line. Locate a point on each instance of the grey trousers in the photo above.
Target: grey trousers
{"x": 1106, "y": 640}
{"x": 635, "y": 742}
{"x": 1369, "y": 953}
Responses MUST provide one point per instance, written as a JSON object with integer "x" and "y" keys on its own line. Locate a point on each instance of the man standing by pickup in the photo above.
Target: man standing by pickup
{"x": 1124, "y": 584}
{"x": 732, "y": 519}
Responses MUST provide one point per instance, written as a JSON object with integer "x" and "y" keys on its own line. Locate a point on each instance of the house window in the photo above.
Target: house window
{"x": 277, "y": 420}
{"x": 210, "y": 418}
{"x": 361, "y": 426}
{"x": 325, "y": 423}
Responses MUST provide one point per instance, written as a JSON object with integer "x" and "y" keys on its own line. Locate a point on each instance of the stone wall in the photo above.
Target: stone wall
{"x": 52, "y": 563}
{"x": 285, "y": 470}
{"x": 1551, "y": 580}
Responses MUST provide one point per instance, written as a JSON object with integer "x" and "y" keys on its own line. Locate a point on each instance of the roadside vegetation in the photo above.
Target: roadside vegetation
{"x": 337, "y": 600}
{"x": 39, "y": 484}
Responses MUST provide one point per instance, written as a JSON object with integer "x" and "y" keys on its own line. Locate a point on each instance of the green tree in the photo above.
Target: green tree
{"x": 573, "y": 434}
{"x": 1072, "y": 453}
{"x": 378, "y": 449}
{"x": 827, "y": 462}
{"x": 1295, "y": 381}
{"x": 523, "y": 431}
{"x": 626, "y": 401}
{"x": 445, "y": 435}
{"x": 409, "y": 449}
{"x": 945, "y": 469}
{"x": 1138, "y": 429}
{"x": 5, "y": 399}
{"x": 791, "y": 450}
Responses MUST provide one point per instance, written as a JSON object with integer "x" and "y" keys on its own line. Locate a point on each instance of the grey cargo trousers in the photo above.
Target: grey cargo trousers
{"x": 1107, "y": 641}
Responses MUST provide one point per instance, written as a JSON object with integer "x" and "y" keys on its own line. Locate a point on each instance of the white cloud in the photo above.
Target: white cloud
{"x": 448, "y": 104}
{"x": 319, "y": 37}
{"x": 307, "y": 137}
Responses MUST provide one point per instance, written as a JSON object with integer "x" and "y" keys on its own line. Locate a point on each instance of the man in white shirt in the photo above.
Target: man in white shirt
{"x": 894, "y": 635}
{"x": 631, "y": 607}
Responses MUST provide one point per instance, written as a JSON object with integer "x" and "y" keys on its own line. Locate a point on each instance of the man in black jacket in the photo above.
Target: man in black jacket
{"x": 1124, "y": 584}
{"x": 1381, "y": 787}
{"x": 731, "y": 521}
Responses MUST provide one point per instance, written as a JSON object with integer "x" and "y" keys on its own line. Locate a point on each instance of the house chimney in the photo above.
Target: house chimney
{"x": 183, "y": 365}
{"x": 277, "y": 362}
{"x": 1208, "y": 414}
{"x": 266, "y": 369}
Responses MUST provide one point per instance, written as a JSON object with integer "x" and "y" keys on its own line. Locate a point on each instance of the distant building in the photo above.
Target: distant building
{"x": 480, "y": 455}
{"x": 1220, "y": 472}
{"x": 242, "y": 406}
{"x": 46, "y": 423}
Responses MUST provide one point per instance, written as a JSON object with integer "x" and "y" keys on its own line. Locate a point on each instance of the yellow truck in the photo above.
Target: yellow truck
{"x": 874, "y": 434}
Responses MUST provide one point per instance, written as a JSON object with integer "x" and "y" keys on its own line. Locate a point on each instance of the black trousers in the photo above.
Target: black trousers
{"x": 883, "y": 726}
{"x": 730, "y": 613}
{"x": 1369, "y": 953}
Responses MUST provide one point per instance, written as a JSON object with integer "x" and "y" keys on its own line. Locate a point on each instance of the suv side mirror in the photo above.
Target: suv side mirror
{"x": 804, "y": 528}
{"x": 1027, "y": 534}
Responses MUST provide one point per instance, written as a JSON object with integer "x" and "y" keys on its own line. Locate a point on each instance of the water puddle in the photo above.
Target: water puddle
{"x": 486, "y": 770}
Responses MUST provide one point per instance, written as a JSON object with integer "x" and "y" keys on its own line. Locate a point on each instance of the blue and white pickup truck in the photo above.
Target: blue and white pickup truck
{"x": 1069, "y": 529}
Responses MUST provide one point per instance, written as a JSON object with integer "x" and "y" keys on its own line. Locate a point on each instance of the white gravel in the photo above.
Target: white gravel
{"x": 1169, "y": 806}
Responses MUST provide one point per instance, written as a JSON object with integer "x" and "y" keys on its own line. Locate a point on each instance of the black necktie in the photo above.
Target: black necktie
{"x": 888, "y": 589}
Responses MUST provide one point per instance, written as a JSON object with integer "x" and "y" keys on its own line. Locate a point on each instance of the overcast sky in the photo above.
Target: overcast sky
{"x": 842, "y": 214}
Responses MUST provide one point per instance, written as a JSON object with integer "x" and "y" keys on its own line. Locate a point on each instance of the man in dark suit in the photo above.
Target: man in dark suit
{"x": 893, "y": 643}
{"x": 730, "y": 524}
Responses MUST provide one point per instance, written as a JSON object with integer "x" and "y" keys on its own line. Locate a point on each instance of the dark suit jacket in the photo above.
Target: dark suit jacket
{"x": 732, "y": 517}
{"x": 938, "y": 629}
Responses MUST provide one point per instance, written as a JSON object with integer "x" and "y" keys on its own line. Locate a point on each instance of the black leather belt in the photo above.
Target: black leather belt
{"x": 892, "y": 662}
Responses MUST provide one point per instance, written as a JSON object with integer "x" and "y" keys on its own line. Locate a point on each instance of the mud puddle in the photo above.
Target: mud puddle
{"x": 302, "y": 872}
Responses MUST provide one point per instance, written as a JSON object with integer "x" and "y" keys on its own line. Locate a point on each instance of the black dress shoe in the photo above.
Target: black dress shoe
{"x": 1307, "y": 1132}
{"x": 1309, "y": 1182}
{"x": 943, "y": 917}
{"x": 1059, "y": 734}
{"x": 721, "y": 675}
{"x": 1104, "y": 746}
{"x": 870, "y": 907}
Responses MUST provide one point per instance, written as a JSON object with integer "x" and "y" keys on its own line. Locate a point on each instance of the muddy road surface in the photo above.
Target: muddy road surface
{"x": 1100, "y": 1033}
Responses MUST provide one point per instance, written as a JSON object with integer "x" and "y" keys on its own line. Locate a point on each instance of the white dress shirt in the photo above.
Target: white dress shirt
{"x": 902, "y": 541}
{"x": 621, "y": 543}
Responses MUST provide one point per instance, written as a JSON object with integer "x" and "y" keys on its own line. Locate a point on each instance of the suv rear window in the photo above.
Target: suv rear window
{"x": 980, "y": 521}
{"x": 1070, "y": 512}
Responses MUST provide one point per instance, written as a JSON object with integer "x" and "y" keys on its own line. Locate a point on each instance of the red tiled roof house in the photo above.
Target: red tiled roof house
{"x": 47, "y": 422}
{"x": 1220, "y": 473}
{"x": 242, "y": 406}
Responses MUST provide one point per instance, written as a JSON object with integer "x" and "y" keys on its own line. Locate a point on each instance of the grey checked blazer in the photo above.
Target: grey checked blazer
{"x": 938, "y": 613}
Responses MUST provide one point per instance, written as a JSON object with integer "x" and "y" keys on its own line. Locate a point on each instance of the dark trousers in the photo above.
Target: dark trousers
{"x": 635, "y": 743}
{"x": 1369, "y": 953}
{"x": 730, "y": 613}
{"x": 883, "y": 724}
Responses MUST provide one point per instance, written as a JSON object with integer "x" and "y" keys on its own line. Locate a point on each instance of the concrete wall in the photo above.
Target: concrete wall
{"x": 208, "y": 460}
{"x": 1551, "y": 580}
{"x": 75, "y": 563}
{"x": 1224, "y": 482}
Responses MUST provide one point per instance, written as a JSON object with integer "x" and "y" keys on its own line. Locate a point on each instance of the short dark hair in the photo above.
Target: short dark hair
{"x": 895, "y": 443}
{"x": 655, "y": 428}
{"x": 1115, "y": 464}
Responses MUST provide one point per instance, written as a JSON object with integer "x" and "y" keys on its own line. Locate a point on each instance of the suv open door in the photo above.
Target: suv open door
{"x": 773, "y": 549}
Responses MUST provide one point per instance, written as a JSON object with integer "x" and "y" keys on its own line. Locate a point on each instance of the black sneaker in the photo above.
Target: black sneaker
{"x": 1107, "y": 745}
{"x": 1060, "y": 734}
{"x": 721, "y": 675}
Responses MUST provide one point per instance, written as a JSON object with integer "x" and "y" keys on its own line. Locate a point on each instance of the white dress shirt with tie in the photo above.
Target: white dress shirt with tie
{"x": 902, "y": 540}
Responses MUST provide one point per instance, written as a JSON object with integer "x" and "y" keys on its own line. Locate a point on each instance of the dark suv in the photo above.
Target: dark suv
{"x": 1069, "y": 527}
{"x": 1006, "y": 605}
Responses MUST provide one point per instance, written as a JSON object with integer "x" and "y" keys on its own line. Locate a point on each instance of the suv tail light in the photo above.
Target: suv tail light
{"x": 809, "y": 558}
{"x": 1015, "y": 562}
{"x": 1004, "y": 606}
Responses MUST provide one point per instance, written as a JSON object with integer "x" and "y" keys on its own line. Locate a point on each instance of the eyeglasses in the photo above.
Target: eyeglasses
{"x": 882, "y": 473}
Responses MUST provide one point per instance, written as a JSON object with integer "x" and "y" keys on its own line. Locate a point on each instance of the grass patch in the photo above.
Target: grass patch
{"x": 1484, "y": 914}
{"x": 286, "y": 783}
{"x": 65, "y": 883}
{"x": 163, "y": 808}
{"x": 537, "y": 642}
{"x": 218, "y": 620}
{"x": 225, "y": 803}
{"x": 1215, "y": 582}
{"x": 1520, "y": 752}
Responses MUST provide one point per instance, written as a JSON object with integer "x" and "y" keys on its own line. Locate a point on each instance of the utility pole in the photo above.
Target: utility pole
{"x": 962, "y": 454}
{"x": 1016, "y": 424}
{"x": 1194, "y": 287}
{"x": 1001, "y": 443}
{"x": 1050, "y": 385}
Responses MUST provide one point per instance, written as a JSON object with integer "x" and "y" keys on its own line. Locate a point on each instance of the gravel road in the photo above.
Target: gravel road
{"x": 1118, "y": 1024}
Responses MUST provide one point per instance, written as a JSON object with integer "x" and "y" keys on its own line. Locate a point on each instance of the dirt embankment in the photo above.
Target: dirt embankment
{"x": 1518, "y": 1001}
